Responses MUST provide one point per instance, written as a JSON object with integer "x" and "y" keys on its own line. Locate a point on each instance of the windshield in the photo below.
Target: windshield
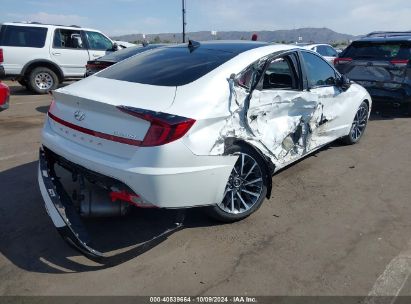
{"x": 169, "y": 66}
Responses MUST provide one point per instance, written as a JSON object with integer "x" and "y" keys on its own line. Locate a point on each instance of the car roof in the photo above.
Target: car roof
{"x": 315, "y": 44}
{"x": 386, "y": 39}
{"x": 230, "y": 46}
{"x": 38, "y": 24}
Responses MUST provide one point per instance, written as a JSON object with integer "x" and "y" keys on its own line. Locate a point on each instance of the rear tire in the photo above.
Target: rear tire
{"x": 246, "y": 188}
{"x": 358, "y": 126}
{"x": 42, "y": 80}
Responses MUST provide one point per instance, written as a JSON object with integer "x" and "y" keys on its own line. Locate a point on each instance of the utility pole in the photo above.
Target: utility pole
{"x": 184, "y": 20}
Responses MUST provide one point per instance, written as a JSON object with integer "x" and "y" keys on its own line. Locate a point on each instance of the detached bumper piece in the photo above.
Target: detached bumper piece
{"x": 68, "y": 222}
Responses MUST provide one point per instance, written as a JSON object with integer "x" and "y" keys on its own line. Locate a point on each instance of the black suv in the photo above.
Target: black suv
{"x": 380, "y": 62}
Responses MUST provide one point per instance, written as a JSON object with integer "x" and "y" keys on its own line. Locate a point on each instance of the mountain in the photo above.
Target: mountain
{"x": 312, "y": 35}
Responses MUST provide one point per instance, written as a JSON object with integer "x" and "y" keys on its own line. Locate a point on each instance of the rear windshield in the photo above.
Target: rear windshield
{"x": 23, "y": 36}
{"x": 378, "y": 50}
{"x": 170, "y": 66}
{"x": 126, "y": 53}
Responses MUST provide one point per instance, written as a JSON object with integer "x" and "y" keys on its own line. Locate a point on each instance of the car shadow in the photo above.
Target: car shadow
{"x": 389, "y": 113}
{"x": 18, "y": 90}
{"x": 29, "y": 240}
{"x": 43, "y": 109}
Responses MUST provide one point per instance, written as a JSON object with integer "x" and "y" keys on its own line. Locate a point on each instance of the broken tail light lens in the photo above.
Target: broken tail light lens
{"x": 164, "y": 127}
{"x": 342, "y": 60}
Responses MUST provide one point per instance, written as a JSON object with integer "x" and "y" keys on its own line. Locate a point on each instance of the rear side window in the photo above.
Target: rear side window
{"x": 23, "y": 36}
{"x": 378, "y": 50}
{"x": 280, "y": 74}
{"x": 325, "y": 50}
{"x": 319, "y": 72}
{"x": 170, "y": 66}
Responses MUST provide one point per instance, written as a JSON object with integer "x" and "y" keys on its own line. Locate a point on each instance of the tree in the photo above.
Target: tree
{"x": 157, "y": 39}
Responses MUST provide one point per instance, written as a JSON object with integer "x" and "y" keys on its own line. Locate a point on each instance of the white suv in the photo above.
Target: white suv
{"x": 40, "y": 56}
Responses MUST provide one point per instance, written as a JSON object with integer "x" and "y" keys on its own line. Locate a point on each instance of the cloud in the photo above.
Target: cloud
{"x": 53, "y": 18}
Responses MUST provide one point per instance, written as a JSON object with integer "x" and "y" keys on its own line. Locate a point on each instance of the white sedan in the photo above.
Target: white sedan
{"x": 197, "y": 124}
{"x": 325, "y": 50}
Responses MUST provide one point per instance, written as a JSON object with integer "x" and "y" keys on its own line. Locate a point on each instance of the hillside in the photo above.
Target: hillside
{"x": 317, "y": 35}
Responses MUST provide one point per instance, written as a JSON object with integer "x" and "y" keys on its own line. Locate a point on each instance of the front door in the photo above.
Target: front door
{"x": 98, "y": 44}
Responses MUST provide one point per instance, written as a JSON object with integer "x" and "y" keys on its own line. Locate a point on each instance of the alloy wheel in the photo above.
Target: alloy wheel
{"x": 44, "y": 81}
{"x": 359, "y": 123}
{"x": 244, "y": 186}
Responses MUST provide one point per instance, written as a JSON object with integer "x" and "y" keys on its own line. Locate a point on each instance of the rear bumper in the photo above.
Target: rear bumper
{"x": 58, "y": 207}
{"x": 68, "y": 222}
{"x": 169, "y": 176}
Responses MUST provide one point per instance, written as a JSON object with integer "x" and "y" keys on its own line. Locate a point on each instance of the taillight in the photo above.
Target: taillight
{"x": 164, "y": 128}
{"x": 4, "y": 93}
{"x": 342, "y": 60}
{"x": 1, "y": 56}
{"x": 99, "y": 66}
{"x": 399, "y": 62}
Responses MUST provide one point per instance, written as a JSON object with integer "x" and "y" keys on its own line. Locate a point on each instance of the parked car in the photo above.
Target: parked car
{"x": 325, "y": 50}
{"x": 40, "y": 56}
{"x": 124, "y": 44}
{"x": 198, "y": 124}
{"x": 380, "y": 62}
{"x": 4, "y": 96}
{"x": 94, "y": 66}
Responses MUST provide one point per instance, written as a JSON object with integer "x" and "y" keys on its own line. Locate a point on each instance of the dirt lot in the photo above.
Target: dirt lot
{"x": 338, "y": 223}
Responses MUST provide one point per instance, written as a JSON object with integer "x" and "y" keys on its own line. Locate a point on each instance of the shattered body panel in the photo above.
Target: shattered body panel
{"x": 284, "y": 125}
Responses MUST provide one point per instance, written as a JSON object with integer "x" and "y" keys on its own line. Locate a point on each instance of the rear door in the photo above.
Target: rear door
{"x": 98, "y": 44}
{"x": 376, "y": 65}
{"x": 69, "y": 51}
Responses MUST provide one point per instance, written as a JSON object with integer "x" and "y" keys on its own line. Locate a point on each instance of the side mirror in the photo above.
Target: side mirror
{"x": 115, "y": 47}
{"x": 343, "y": 82}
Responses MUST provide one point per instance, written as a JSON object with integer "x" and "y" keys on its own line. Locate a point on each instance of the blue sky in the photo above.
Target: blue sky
{"x": 116, "y": 17}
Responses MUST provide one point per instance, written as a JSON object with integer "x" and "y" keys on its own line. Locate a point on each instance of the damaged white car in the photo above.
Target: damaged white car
{"x": 198, "y": 124}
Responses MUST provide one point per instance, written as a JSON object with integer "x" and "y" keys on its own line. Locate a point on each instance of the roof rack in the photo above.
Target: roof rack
{"x": 388, "y": 34}
{"x": 40, "y": 23}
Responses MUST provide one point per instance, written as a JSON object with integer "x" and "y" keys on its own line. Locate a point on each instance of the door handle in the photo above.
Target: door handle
{"x": 56, "y": 53}
{"x": 96, "y": 55}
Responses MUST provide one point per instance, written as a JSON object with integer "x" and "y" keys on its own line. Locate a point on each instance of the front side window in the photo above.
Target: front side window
{"x": 99, "y": 42}
{"x": 319, "y": 72}
{"x": 23, "y": 36}
{"x": 67, "y": 39}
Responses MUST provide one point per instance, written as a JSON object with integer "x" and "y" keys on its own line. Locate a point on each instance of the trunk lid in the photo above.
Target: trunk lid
{"x": 86, "y": 113}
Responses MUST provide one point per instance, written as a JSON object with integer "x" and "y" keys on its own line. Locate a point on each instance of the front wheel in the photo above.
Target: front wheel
{"x": 246, "y": 188}
{"x": 358, "y": 126}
